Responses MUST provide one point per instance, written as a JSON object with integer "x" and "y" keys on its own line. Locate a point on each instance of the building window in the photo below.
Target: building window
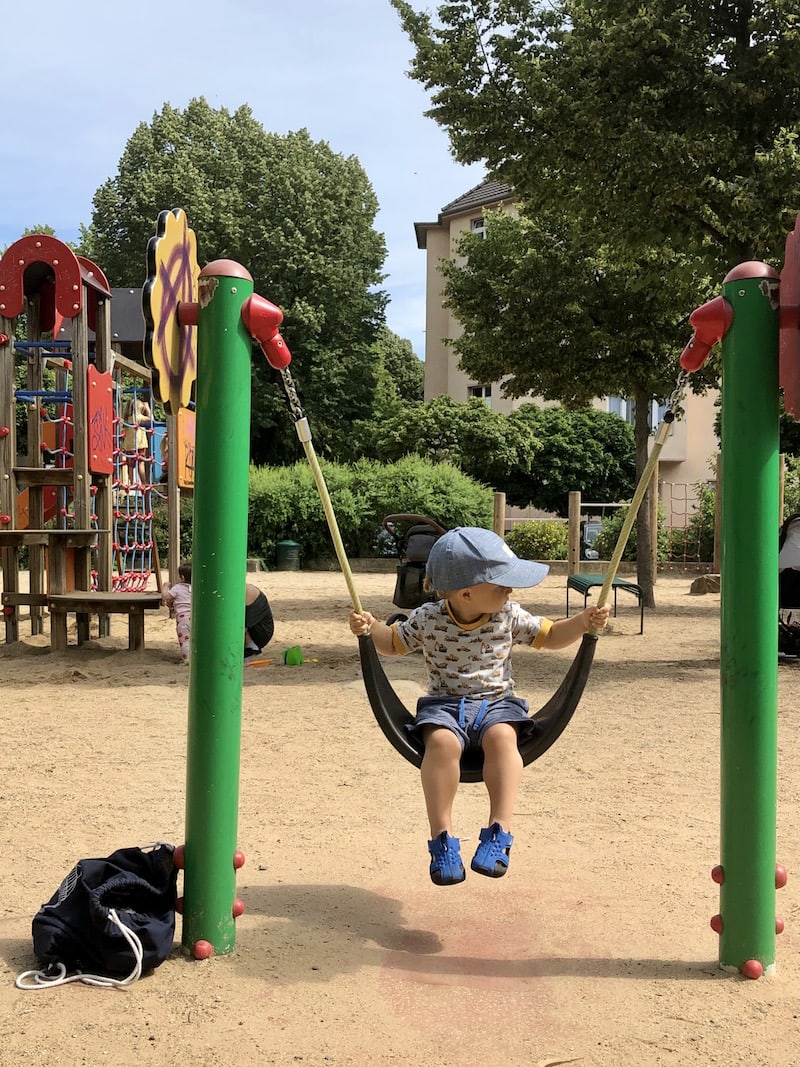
{"x": 480, "y": 392}
{"x": 625, "y": 409}
{"x": 478, "y": 226}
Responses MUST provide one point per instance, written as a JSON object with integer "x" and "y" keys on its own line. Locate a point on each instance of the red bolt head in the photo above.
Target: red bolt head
{"x": 780, "y": 876}
{"x": 718, "y": 874}
{"x": 238, "y": 908}
{"x": 5, "y": 520}
{"x": 4, "y": 431}
{"x": 238, "y": 859}
{"x": 752, "y": 968}
{"x": 8, "y": 609}
{"x": 716, "y": 924}
{"x": 779, "y": 924}
{"x": 202, "y": 950}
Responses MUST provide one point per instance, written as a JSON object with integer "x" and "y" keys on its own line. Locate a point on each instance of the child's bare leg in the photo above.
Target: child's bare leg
{"x": 502, "y": 772}
{"x": 441, "y": 773}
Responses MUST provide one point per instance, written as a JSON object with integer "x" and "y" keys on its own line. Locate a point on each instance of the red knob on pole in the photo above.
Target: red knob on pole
{"x": 711, "y": 322}
{"x": 262, "y": 319}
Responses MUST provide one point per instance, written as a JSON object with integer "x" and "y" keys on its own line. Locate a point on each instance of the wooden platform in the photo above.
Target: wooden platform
{"x": 583, "y": 583}
{"x": 86, "y": 604}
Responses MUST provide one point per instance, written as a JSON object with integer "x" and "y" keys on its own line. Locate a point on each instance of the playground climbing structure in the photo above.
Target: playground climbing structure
{"x": 61, "y": 446}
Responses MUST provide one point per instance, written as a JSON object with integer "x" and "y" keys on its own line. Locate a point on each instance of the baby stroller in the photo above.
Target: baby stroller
{"x": 413, "y": 537}
{"x": 789, "y": 587}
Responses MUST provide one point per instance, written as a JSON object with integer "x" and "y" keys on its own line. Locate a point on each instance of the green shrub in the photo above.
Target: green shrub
{"x": 611, "y": 528}
{"x": 285, "y": 504}
{"x": 545, "y": 539}
{"x": 791, "y": 486}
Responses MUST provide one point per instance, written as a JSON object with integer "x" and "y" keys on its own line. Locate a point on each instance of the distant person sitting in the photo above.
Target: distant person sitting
{"x": 258, "y": 623}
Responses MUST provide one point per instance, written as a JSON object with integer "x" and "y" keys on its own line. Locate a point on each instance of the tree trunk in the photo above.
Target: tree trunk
{"x": 644, "y": 534}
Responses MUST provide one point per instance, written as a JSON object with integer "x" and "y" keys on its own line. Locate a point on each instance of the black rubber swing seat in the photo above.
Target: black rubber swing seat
{"x": 541, "y": 731}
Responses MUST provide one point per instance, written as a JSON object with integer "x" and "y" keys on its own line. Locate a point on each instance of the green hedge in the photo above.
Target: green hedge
{"x": 285, "y": 505}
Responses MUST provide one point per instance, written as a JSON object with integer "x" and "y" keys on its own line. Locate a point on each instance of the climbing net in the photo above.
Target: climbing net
{"x": 132, "y": 538}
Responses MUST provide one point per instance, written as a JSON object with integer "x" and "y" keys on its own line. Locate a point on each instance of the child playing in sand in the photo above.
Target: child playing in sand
{"x": 258, "y": 622}
{"x": 466, "y": 638}
{"x": 178, "y": 598}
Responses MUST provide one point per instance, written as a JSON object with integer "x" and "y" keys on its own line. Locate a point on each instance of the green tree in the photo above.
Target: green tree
{"x": 651, "y": 123}
{"x": 593, "y": 328}
{"x": 398, "y": 393}
{"x": 629, "y": 132}
{"x": 404, "y": 371}
{"x": 587, "y": 451}
{"x": 490, "y": 447}
{"x": 298, "y": 215}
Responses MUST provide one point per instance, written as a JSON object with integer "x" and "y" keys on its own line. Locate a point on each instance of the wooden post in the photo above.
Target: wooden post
{"x": 574, "y": 534}
{"x": 35, "y": 379}
{"x": 654, "y": 495}
{"x": 174, "y": 499}
{"x": 499, "y": 520}
{"x": 8, "y": 454}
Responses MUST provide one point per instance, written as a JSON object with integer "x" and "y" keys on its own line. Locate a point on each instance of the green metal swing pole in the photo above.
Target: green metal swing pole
{"x": 746, "y": 317}
{"x": 749, "y": 610}
{"x": 219, "y": 565}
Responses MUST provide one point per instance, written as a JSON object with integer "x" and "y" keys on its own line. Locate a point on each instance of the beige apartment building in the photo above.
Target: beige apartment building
{"x": 689, "y": 453}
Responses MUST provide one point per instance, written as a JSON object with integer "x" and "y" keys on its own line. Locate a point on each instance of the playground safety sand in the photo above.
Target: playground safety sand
{"x": 595, "y": 949}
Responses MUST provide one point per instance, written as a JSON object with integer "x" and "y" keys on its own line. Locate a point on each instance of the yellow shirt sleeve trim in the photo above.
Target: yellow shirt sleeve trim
{"x": 397, "y": 644}
{"x": 544, "y": 630}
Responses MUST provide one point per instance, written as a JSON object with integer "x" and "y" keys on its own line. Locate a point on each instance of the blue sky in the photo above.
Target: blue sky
{"x": 78, "y": 79}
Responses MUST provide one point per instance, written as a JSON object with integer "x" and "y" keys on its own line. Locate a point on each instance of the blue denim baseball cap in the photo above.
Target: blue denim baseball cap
{"x": 469, "y": 555}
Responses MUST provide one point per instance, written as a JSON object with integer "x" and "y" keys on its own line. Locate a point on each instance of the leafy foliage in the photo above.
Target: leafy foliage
{"x": 285, "y": 504}
{"x": 791, "y": 486}
{"x": 298, "y": 216}
{"x": 653, "y": 124}
{"x": 490, "y": 447}
{"x": 539, "y": 540}
{"x": 652, "y": 147}
{"x": 589, "y": 450}
{"x": 536, "y": 456}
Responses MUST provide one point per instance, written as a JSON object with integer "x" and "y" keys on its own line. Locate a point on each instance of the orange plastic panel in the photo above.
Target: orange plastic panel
{"x": 100, "y": 393}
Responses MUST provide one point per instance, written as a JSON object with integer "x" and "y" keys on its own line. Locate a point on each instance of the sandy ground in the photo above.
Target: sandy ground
{"x": 595, "y": 949}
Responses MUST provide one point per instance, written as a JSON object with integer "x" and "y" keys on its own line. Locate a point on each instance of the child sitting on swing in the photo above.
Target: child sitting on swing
{"x": 466, "y": 638}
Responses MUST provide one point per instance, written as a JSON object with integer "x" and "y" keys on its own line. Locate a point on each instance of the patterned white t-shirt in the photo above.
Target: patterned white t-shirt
{"x": 471, "y": 660}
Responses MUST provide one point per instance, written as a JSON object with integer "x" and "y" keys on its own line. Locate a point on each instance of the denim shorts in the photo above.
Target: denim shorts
{"x": 468, "y": 719}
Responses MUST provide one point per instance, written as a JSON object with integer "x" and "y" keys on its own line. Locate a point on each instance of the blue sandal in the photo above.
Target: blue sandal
{"x": 491, "y": 856}
{"x": 446, "y": 865}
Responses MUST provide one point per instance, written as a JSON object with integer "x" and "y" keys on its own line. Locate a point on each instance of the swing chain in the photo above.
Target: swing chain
{"x": 675, "y": 398}
{"x": 295, "y": 407}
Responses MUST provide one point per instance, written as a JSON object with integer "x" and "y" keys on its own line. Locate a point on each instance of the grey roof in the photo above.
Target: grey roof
{"x": 483, "y": 194}
{"x": 486, "y": 192}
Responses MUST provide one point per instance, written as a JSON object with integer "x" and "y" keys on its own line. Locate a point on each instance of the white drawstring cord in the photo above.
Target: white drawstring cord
{"x": 43, "y": 980}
